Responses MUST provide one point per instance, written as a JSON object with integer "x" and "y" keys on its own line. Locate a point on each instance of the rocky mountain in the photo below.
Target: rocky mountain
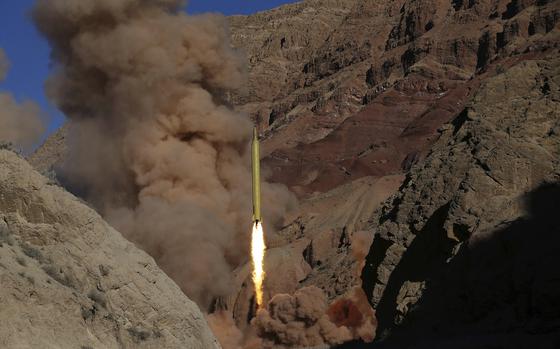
{"x": 372, "y": 100}
{"x": 71, "y": 281}
{"x": 370, "y": 82}
{"x": 50, "y": 153}
{"x": 429, "y": 127}
{"x": 468, "y": 245}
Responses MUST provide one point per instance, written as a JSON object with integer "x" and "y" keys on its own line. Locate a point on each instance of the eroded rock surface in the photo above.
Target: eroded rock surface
{"x": 469, "y": 244}
{"x": 367, "y": 84}
{"x": 71, "y": 281}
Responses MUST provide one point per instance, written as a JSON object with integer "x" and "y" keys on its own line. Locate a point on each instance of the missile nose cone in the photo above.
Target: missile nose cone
{"x": 255, "y": 134}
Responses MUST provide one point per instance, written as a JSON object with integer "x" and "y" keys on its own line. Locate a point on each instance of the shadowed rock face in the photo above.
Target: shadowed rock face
{"x": 468, "y": 244}
{"x": 71, "y": 281}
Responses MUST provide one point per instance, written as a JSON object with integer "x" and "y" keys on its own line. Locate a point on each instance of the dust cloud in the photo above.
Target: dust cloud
{"x": 305, "y": 319}
{"x": 21, "y": 124}
{"x": 153, "y": 142}
{"x": 223, "y": 326}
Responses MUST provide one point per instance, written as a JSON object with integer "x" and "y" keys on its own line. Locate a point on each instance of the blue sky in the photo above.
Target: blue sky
{"x": 29, "y": 53}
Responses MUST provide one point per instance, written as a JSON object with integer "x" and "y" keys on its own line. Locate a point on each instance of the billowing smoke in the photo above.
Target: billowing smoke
{"x": 354, "y": 312}
{"x": 306, "y": 320}
{"x": 21, "y": 124}
{"x": 153, "y": 144}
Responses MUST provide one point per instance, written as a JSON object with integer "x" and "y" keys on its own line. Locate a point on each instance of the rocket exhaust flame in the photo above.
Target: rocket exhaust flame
{"x": 258, "y": 248}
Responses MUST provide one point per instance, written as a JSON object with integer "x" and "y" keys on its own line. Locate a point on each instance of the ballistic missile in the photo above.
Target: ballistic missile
{"x": 255, "y": 155}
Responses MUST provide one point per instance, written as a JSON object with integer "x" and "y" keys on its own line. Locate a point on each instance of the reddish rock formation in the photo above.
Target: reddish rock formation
{"x": 368, "y": 95}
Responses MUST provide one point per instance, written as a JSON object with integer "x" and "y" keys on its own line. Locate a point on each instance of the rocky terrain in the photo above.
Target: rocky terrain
{"x": 71, "y": 281}
{"x": 388, "y": 83}
{"x": 450, "y": 106}
{"x": 51, "y": 153}
{"x": 370, "y": 82}
{"x": 469, "y": 243}
{"x": 319, "y": 248}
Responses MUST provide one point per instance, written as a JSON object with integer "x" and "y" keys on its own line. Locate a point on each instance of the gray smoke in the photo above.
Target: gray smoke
{"x": 152, "y": 143}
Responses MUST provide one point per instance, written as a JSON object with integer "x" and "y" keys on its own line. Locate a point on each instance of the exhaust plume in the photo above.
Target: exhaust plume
{"x": 20, "y": 124}
{"x": 306, "y": 320}
{"x": 153, "y": 144}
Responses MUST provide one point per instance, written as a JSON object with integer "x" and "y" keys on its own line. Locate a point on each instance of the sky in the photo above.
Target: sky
{"x": 28, "y": 52}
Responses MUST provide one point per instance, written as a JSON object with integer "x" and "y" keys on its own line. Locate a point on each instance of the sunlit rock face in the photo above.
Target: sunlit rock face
{"x": 69, "y": 280}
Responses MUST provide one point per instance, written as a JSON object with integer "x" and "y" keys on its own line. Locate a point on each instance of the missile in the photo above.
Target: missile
{"x": 255, "y": 156}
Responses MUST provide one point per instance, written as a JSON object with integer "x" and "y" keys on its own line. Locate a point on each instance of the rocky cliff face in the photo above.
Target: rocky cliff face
{"x": 469, "y": 243}
{"x": 71, "y": 281}
{"x": 459, "y": 99}
{"x": 416, "y": 68}
{"x": 370, "y": 82}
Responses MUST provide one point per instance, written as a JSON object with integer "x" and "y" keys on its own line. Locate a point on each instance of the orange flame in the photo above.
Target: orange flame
{"x": 258, "y": 248}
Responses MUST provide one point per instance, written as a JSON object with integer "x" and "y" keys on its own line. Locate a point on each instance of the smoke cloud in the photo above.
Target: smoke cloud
{"x": 21, "y": 124}
{"x": 306, "y": 320}
{"x": 4, "y": 65}
{"x": 153, "y": 143}
{"x": 227, "y": 333}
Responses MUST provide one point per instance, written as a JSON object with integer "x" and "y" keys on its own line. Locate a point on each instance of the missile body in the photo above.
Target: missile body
{"x": 255, "y": 155}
